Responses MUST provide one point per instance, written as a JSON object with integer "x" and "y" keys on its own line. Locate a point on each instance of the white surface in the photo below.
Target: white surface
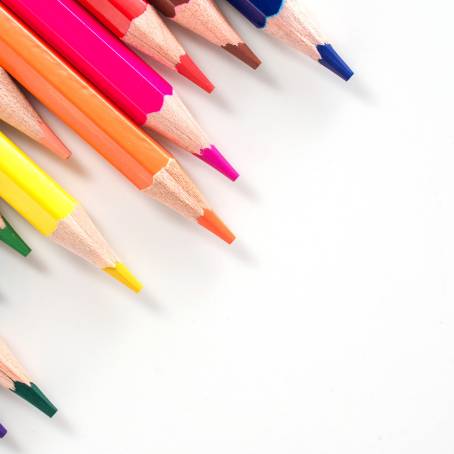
{"x": 327, "y": 328}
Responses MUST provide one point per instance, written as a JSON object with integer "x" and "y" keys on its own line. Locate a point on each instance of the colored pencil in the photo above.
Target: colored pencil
{"x": 204, "y": 18}
{"x": 54, "y": 213}
{"x": 289, "y": 21}
{"x": 14, "y": 378}
{"x": 20, "y": 114}
{"x": 9, "y": 236}
{"x": 3, "y": 431}
{"x": 145, "y": 163}
{"x": 138, "y": 25}
{"x": 118, "y": 73}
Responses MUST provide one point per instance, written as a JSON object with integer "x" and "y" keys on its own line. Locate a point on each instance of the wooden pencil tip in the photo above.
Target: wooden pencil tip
{"x": 53, "y": 143}
{"x": 123, "y": 275}
{"x": 243, "y": 52}
{"x": 32, "y": 394}
{"x": 211, "y": 222}
{"x": 187, "y": 68}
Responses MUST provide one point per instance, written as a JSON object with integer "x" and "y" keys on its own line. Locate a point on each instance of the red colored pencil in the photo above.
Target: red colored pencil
{"x": 139, "y": 26}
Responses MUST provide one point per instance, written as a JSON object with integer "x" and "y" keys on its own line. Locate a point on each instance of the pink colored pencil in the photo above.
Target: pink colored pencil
{"x": 118, "y": 73}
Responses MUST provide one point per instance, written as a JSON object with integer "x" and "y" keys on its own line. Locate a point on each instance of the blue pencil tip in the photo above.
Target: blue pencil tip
{"x": 331, "y": 60}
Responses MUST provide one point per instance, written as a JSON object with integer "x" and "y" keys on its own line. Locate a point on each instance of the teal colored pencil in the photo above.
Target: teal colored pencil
{"x": 9, "y": 236}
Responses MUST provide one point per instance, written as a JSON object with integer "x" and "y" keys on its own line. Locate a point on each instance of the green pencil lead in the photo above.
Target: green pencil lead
{"x": 35, "y": 396}
{"x": 9, "y": 236}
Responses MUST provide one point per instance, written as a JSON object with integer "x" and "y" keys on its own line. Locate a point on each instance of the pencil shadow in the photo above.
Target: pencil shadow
{"x": 61, "y": 422}
{"x": 245, "y": 189}
{"x": 361, "y": 91}
{"x": 36, "y": 263}
{"x": 149, "y": 302}
{"x": 266, "y": 78}
{"x": 243, "y": 254}
{"x": 221, "y": 101}
{"x": 11, "y": 443}
{"x": 75, "y": 166}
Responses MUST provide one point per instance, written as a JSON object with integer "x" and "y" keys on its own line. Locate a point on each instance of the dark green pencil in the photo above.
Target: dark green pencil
{"x": 9, "y": 236}
{"x": 13, "y": 377}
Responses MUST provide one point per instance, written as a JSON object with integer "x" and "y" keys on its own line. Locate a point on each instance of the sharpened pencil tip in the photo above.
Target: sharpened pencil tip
{"x": 35, "y": 396}
{"x": 9, "y": 236}
{"x": 332, "y": 60}
{"x": 214, "y": 158}
{"x": 244, "y": 53}
{"x": 187, "y": 68}
{"x": 123, "y": 275}
{"x": 3, "y": 431}
{"x": 54, "y": 144}
{"x": 211, "y": 222}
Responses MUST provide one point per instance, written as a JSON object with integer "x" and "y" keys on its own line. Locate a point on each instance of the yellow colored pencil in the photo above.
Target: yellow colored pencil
{"x": 54, "y": 213}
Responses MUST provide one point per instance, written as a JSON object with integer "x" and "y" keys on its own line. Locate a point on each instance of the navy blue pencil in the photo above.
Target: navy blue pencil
{"x": 288, "y": 21}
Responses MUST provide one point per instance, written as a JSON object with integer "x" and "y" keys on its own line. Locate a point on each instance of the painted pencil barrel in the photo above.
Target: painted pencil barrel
{"x": 134, "y": 87}
{"x": 70, "y": 97}
{"x": 251, "y": 11}
{"x": 119, "y": 22}
{"x": 37, "y": 197}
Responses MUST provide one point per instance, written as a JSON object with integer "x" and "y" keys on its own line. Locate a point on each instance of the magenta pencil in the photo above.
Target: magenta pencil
{"x": 119, "y": 74}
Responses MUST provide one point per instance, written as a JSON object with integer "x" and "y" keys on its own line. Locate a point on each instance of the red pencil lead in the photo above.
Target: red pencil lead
{"x": 187, "y": 68}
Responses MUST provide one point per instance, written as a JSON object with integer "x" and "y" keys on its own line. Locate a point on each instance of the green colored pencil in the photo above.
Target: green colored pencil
{"x": 13, "y": 377}
{"x": 9, "y": 236}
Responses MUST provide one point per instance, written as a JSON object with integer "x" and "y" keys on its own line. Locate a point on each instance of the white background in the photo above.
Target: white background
{"x": 327, "y": 328}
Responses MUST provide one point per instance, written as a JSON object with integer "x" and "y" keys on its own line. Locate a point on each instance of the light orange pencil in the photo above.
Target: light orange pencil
{"x": 20, "y": 114}
{"x": 143, "y": 161}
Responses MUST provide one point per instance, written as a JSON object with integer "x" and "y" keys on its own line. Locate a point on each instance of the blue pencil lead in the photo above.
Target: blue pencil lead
{"x": 331, "y": 60}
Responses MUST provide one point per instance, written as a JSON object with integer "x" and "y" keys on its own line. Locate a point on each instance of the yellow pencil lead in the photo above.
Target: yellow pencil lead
{"x": 123, "y": 275}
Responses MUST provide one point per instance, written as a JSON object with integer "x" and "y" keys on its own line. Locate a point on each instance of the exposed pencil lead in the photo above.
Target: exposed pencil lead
{"x": 9, "y": 236}
{"x": 244, "y": 53}
{"x": 122, "y": 274}
{"x": 35, "y": 396}
{"x": 187, "y": 68}
{"x": 214, "y": 158}
{"x": 214, "y": 224}
{"x": 332, "y": 60}
{"x": 51, "y": 141}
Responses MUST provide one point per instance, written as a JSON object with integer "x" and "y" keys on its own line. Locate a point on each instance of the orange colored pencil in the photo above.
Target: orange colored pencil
{"x": 143, "y": 161}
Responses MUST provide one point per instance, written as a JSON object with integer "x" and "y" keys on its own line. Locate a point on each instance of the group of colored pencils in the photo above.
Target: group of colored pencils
{"x": 77, "y": 57}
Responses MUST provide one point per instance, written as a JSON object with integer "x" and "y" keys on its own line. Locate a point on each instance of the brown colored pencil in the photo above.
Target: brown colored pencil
{"x": 204, "y": 18}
